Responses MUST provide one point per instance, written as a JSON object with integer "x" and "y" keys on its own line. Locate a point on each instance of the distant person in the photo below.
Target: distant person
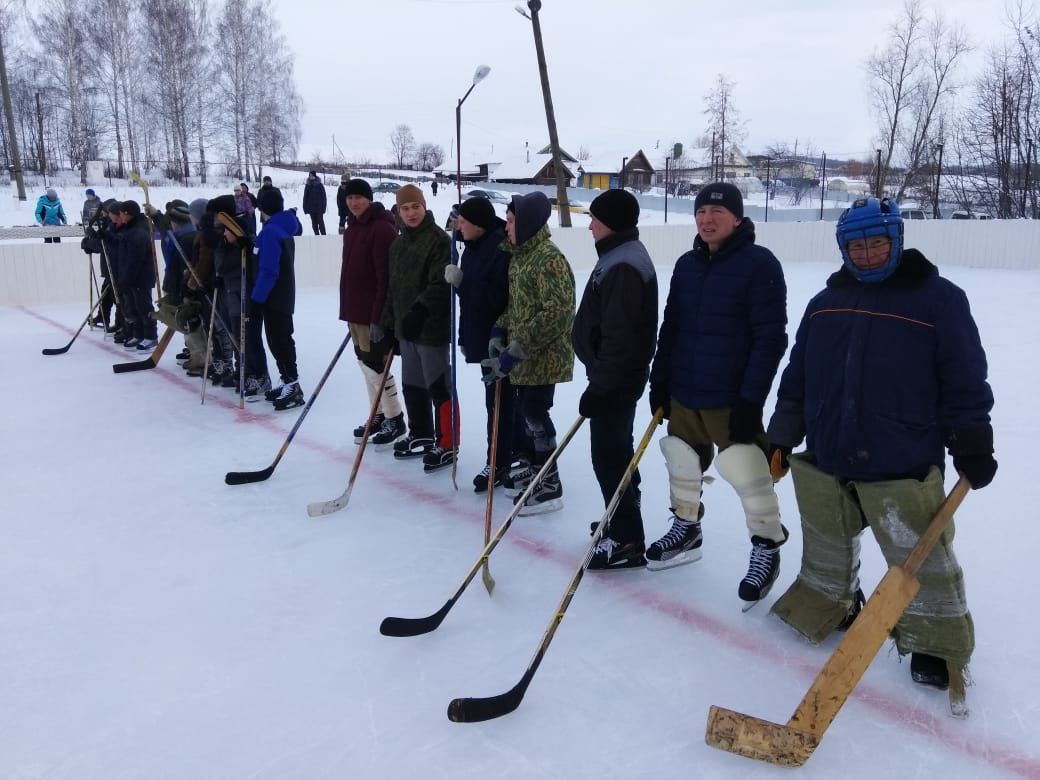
{"x": 887, "y": 371}
{"x": 341, "y": 201}
{"x": 266, "y": 186}
{"x": 90, "y": 209}
{"x": 433, "y": 187}
{"x": 722, "y": 338}
{"x": 315, "y": 202}
{"x": 245, "y": 205}
{"x": 49, "y": 211}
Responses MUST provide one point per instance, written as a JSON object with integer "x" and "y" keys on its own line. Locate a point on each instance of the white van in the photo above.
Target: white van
{"x": 969, "y": 215}
{"x": 916, "y": 213}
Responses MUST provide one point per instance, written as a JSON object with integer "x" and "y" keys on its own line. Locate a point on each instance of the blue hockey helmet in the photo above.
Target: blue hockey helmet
{"x": 865, "y": 218}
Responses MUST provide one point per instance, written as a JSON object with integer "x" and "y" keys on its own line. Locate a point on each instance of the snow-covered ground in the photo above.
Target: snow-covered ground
{"x": 157, "y": 623}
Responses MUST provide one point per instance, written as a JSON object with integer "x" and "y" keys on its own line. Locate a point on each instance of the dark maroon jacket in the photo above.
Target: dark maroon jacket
{"x": 363, "y": 276}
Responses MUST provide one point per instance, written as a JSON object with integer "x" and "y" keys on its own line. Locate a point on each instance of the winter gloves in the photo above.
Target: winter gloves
{"x": 778, "y": 463}
{"x": 412, "y": 324}
{"x": 745, "y": 421}
{"x": 501, "y": 363}
{"x": 972, "y": 451}
{"x": 661, "y": 399}
{"x": 593, "y": 404}
{"x": 453, "y": 275}
{"x": 497, "y": 342}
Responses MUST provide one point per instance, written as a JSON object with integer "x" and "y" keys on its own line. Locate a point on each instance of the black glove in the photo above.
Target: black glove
{"x": 745, "y": 421}
{"x": 593, "y": 404}
{"x": 778, "y": 463}
{"x": 972, "y": 451}
{"x": 412, "y": 324}
{"x": 660, "y": 398}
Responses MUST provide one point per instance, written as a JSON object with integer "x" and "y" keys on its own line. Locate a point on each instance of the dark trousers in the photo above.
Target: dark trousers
{"x": 138, "y": 301}
{"x": 279, "y": 328}
{"x": 509, "y": 422}
{"x": 612, "y": 449}
{"x": 318, "y": 224}
{"x": 108, "y": 300}
{"x": 52, "y": 240}
{"x": 535, "y": 401}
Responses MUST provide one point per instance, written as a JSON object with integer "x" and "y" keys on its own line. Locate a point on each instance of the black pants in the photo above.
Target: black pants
{"x": 509, "y": 422}
{"x": 279, "y": 328}
{"x": 612, "y": 449}
{"x": 138, "y": 301}
{"x": 318, "y": 224}
{"x": 535, "y": 401}
{"x": 52, "y": 240}
{"x": 108, "y": 300}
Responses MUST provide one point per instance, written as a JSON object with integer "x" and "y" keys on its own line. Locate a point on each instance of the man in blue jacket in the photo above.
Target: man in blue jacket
{"x": 482, "y": 282}
{"x": 274, "y": 295}
{"x": 721, "y": 341}
{"x": 887, "y": 370}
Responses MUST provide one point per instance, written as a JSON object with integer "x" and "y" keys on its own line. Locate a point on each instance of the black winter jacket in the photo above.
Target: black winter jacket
{"x": 484, "y": 291}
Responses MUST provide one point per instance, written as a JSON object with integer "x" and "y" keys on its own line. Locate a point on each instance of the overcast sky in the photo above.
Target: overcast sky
{"x": 624, "y": 75}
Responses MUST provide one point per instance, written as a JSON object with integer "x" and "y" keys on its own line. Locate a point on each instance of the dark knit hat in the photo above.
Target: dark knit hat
{"x": 197, "y": 207}
{"x": 721, "y": 193}
{"x": 131, "y": 207}
{"x": 90, "y": 193}
{"x": 270, "y": 201}
{"x": 617, "y": 209}
{"x": 222, "y": 203}
{"x": 177, "y": 210}
{"x": 479, "y": 211}
{"x": 360, "y": 187}
{"x": 409, "y": 193}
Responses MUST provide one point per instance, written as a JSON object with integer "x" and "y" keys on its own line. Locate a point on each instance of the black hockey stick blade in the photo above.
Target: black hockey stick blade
{"x": 396, "y": 626}
{"x": 63, "y": 350}
{"x": 477, "y": 710}
{"x": 245, "y": 477}
{"x": 58, "y": 350}
{"x": 149, "y": 362}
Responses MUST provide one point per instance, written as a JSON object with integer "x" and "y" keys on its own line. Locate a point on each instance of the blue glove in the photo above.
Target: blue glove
{"x": 497, "y": 367}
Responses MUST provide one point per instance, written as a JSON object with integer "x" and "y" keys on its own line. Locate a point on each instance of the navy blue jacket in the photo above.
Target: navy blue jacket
{"x": 276, "y": 273}
{"x": 484, "y": 291}
{"x": 616, "y": 324}
{"x": 135, "y": 268}
{"x": 882, "y": 375}
{"x": 724, "y": 330}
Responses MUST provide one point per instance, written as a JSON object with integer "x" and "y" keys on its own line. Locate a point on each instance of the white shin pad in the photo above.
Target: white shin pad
{"x": 685, "y": 478}
{"x": 745, "y": 467}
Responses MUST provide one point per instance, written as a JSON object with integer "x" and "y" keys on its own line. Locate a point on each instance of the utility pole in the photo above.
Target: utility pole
{"x": 43, "y": 155}
{"x": 823, "y": 183}
{"x": 877, "y": 192}
{"x": 554, "y": 141}
{"x": 1025, "y": 185}
{"x": 12, "y": 142}
{"x": 769, "y": 161}
{"x": 938, "y": 180}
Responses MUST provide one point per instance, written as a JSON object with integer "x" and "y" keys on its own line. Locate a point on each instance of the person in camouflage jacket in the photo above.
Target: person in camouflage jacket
{"x": 417, "y": 312}
{"x": 531, "y": 341}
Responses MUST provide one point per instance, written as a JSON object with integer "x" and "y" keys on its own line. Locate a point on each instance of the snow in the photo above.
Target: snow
{"x": 158, "y": 623}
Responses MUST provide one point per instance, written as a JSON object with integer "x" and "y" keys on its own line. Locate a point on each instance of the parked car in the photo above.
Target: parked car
{"x": 493, "y": 195}
{"x": 916, "y": 213}
{"x": 969, "y": 215}
{"x": 386, "y": 186}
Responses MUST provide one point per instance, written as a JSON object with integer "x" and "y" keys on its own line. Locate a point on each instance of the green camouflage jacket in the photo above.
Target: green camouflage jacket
{"x": 417, "y": 260}
{"x": 540, "y": 312}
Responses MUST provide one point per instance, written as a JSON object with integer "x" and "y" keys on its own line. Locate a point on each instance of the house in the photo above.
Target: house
{"x": 531, "y": 168}
{"x": 613, "y": 171}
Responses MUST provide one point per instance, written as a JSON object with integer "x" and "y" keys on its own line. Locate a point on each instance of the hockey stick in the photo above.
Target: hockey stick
{"x": 319, "y": 508}
{"x": 245, "y": 477}
{"x": 63, "y": 350}
{"x": 454, "y": 391}
{"x": 209, "y": 345}
{"x": 152, "y": 360}
{"x": 201, "y": 286}
{"x": 135, "y": 178}
{"x": 792, "y": 744}
{"x": 472, "y": 710}
{"x": 489, "y": 581}
{"x": 396, "y": 626}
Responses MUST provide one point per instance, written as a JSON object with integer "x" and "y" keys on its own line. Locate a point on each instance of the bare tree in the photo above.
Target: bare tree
{"x": 428, "y": 156}
{"x": 725, "y": 127}
{"x": 402, "y": 145}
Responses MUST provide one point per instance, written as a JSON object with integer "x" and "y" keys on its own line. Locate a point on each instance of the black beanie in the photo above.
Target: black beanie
{"x": 177, "y": 210}
{"x": 359, "y": 187}
{"x": 479, "y": 211}
{"x": 270, "y": 201}
{"x": 617, "y": 209}
{"x": 222, "y": 203}
{"x": 721, "y": 193}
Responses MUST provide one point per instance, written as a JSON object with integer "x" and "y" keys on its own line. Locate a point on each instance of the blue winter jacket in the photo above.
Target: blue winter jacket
{"x": 276, "y": 251}
{"x": 882, "y": 375}
{"x": 50, "y": 212}
{"x": 724, "y": 329}
{"x": 484, "y": 291}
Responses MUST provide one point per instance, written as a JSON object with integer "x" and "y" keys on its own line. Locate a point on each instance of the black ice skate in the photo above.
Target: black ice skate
{"x": 412, "y": 446}
{"x": 290, "y": 397}
{"x": 682, "y": 544}
{"x": 438, "y": 458}
{"x": 392, "y": 429}
{"x": 377, "y": 423}
{"x": 763, "y": 569}
{"x": 612, "y": 555}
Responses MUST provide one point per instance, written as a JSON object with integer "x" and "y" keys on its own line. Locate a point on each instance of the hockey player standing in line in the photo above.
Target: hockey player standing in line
{"x": 721, "y": 341}
{"x": 136, "y": 276}
{"x": 614, "y": 334}
{"x": 109, "y": 230}
{"x": 531, "y": 342}
{"x": 417, "y": 312}
{"x": 482, "y": 281}
{"x": 274, "y": 295}
{"x": 363, "y": 281}
{"x": 887, "y": 369}
{"x": 315, "y": 202}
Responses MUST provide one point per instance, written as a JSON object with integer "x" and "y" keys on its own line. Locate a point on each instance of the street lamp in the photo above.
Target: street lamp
{"x": 479, "y": 75}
